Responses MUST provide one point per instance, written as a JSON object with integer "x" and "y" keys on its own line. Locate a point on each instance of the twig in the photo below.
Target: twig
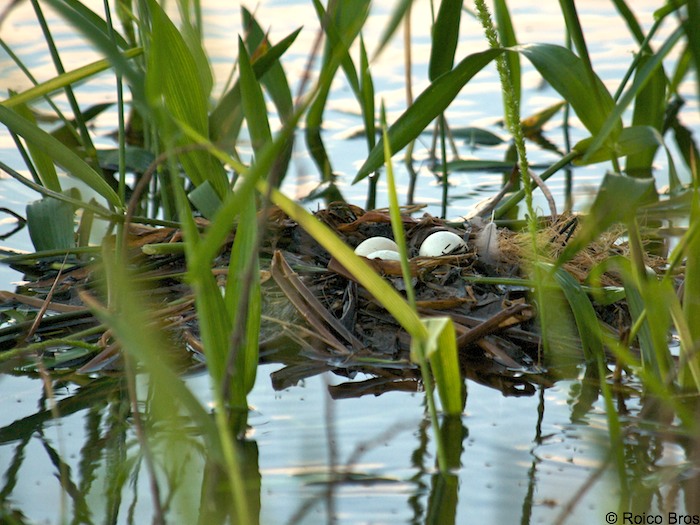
{"x": 545, "y": 191}
{"x": 46, "y": 303}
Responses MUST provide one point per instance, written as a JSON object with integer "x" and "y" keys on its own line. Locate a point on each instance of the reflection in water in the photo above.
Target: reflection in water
{"x": 100, "y": 472}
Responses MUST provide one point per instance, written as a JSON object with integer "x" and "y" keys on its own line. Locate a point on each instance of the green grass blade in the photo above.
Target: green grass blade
{"x": 59, "y": 153}
{"x": 691, "y": 287}
{"x": 91, "y": 206}
{"x": 253, "y": 102}
{"x": 573, "y": 26}
{"x": 243, "y": 303}
{"x": 398, "y": 14}
{"x": 367, "y": 96}
{"x": 340, "y": 31}
{"x": 629, "y": 18}
{"x": 650, "y": 315}
{"x": 66, "y": 79}
{"x": 441, "y": 350}
{"x": 633, "y": 141}
{"x": 610, "y": 127}
{"x": 42, "y": 162}
{"x": 427, "y": 106}
{"x": 227, "y": 116}
{"x": 80, "y": 9}
{"x": 568, "y": 74}
{"x": 274, "y": 79}
{"x": 214, "y": 322}
{"x": 176, "y": 89}
{"x": 584, "y": 314}
{"x": 243, "y": 286}
{"x": 445, "y": 35}
{"x": 145, "y": 346}
{"x": 691, "y": 32}
{"x": 81, "y": 128}
{"x": 152, "y": 352}
{"x": 397, "y": 227}
{"x": 97, "y": 32}
{"x": 368, "y": 118}
{"x": 349, "y": 17}
{"x": 649, "y": 110}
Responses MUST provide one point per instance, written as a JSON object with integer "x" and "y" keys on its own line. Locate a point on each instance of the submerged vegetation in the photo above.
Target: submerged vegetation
{"x": 187, "y": 233}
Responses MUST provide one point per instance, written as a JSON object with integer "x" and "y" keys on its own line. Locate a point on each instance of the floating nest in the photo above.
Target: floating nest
{"x": 316, "y": 318}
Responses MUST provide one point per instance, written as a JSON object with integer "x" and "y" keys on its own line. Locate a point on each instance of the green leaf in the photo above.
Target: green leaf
{"x": 147, "y": 347}
{"x": 274, "y": 79}
{"x": 581, "y": 88}
{"x": 628, "y": 15}
{"x": 535, "y": 122}
{"x": 608, "y": 131}
{"x": 691, "y": 286}
{"x": 649, "y": 110}
{"x": 367, "y": 102}
{"x": 573, "y": 26}
{"x": 400, "y": 12}
{"x": 137, "y": 160}
{"x": 42, "y": 162}
{"x": 427, "y": 106}
{"x": 341, "y": 25}
{"x": 347, "y": 18}
{"x": 227, "y": 116}
{"x": 477, "y": 136}
{"x": 253, "y": 102}
{"x": 631, "y": 141}
{"x": 445, "y": 36}
{"x": 66, "y": 79}
{"x": 479, "y": 165}
{"x": 50, "y": 223}
{"x": 584, "y": 314}
{"x": 397, "y": 226}
{"x": 440, "y": 347}
{"x": 239, "y": 292}
{"x": 95, "y": 29}
{"x": 176, "y": 89}
{"x": 205, "y": 199}
{"x": 59, "y": 153}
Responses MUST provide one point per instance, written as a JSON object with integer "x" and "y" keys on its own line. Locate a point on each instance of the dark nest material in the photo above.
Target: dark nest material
{"x": 315, "y": 316}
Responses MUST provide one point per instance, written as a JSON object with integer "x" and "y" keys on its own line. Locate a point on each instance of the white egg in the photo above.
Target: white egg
{"x": 385, "y": 255}
{"x": 442, "y": 243}
{"x": 374, "y": 244}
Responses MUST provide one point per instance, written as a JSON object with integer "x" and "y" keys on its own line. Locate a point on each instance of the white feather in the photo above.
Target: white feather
{"x": 486, "y": 243}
